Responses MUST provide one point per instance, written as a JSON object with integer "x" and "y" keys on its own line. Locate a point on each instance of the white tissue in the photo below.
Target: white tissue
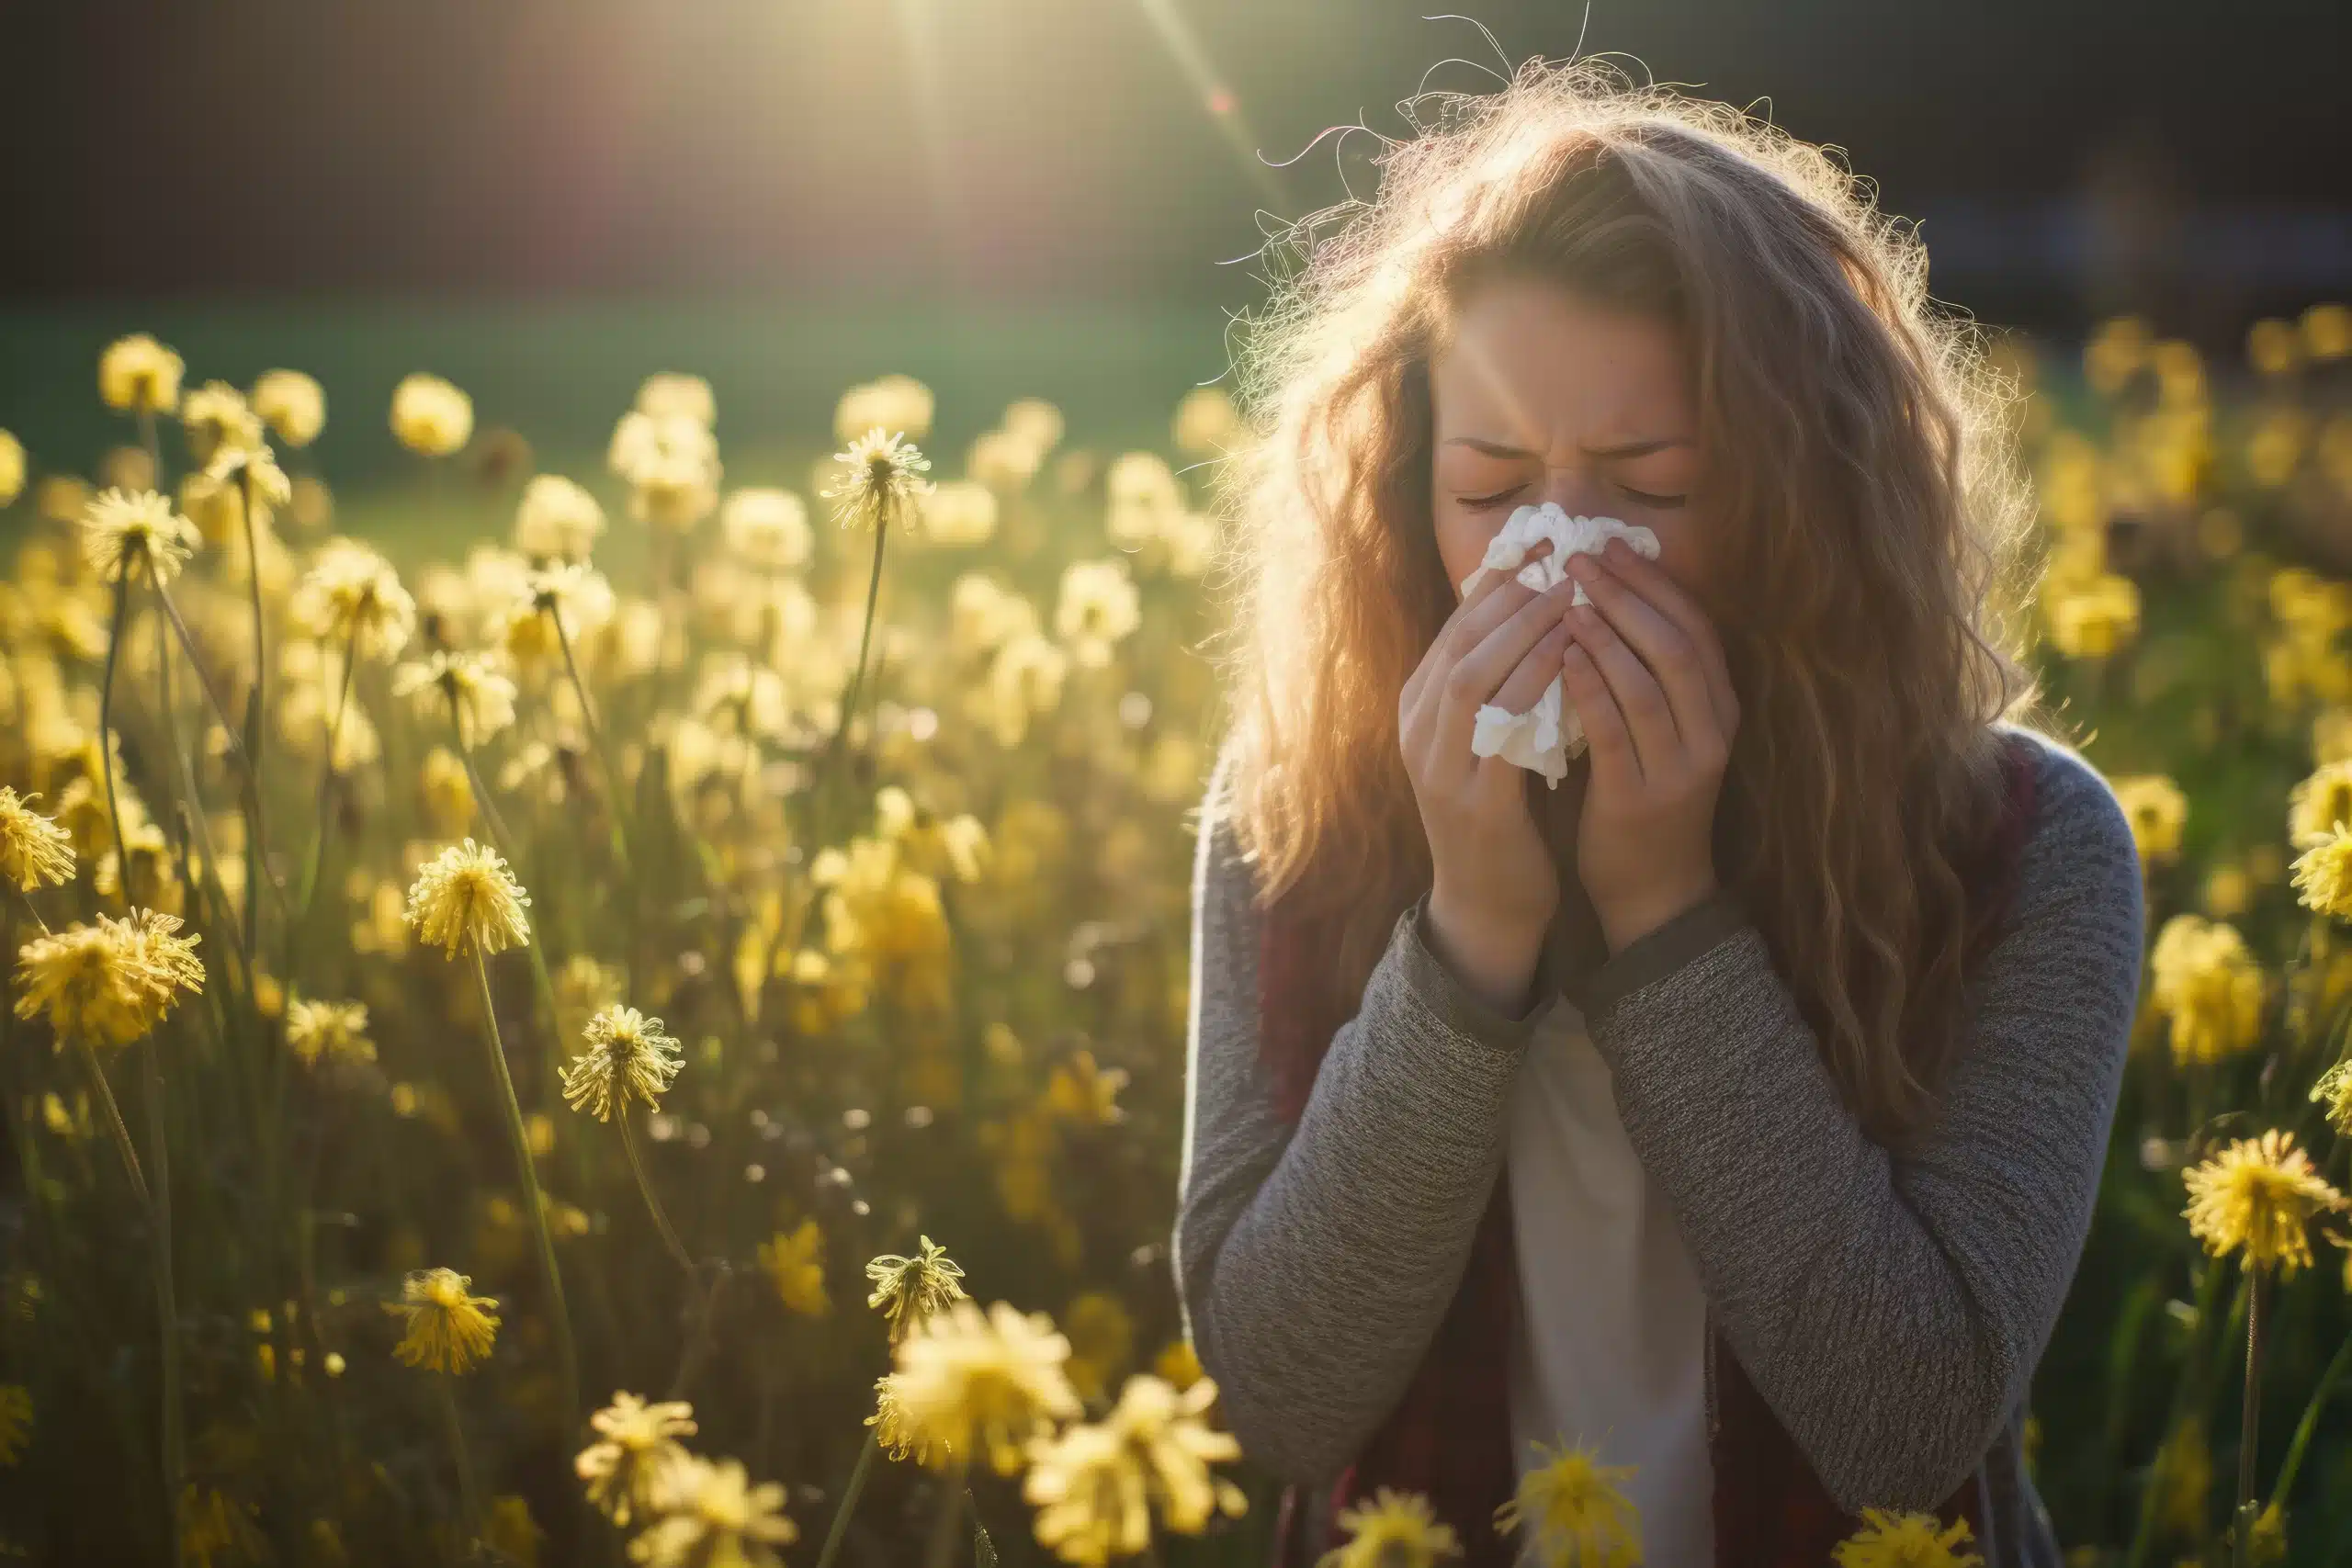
{"x": 1542, "y": 738}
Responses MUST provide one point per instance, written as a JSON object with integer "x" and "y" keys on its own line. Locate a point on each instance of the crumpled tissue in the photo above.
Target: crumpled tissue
{"x": 1542, "y": 738}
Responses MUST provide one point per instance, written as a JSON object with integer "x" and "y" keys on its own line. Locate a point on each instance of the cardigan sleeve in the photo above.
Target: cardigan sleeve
{"x": 1315, "y": 1263}
{"x": 1889, "y": 1309}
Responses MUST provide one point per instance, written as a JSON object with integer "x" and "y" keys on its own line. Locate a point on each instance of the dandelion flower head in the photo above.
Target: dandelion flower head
{"x": 1573, "y": 1511}
{"x": 1089, "y": 1490}
{"x": 482, "y": 699}
{"x": 122, "y": 531}
{"x": 2209, "y": 985}
{"x": 557, "y": 520}
{"x": 971, "y": 1383}
{"x": 2258, "y": 1195}
{"x": 1392, "y": 1530}
{"x": 109, "y": 983}
{"x": 216, "y": 415}
{"x": 448, "y": 1329}
{"x": 1907, "y": 1540}
{"x": 138, "y": 375}
{"x": 317, "y": 1032}
{"x": 909, "y": 1289}
{"x": 33, "y": 850}
{"x": 353, "y": 597}
{"x": 714, "y": 1518}
{"x": 430, "y": 416}
{"x": 881, "y": 478}
{"x": 2323, "y": 873}
{"x": 465, "y": 896}
{"x": 794, "y": 1263}
{"x": 668, "y": 394}
{"x": 636, "y": 1446}
{"x": 627, "y": 1058}
{"x": 294, "y": 405}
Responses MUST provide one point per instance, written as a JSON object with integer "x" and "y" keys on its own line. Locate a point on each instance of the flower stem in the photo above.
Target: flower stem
{"x": 2309, "y": 1424}
{"x": 941, "y": 1552}
{"x": 839, "y": 746}
{"x": 2249, "y": 1429}
{"x": 256, "y": 720}
{"x": 596, "y": 744}
{"x": 468, "y": 1498}
{"x": 566, "y": 1358}
{"x": 166, "y": 1305}
{"x": 115, "y": 1124}
{"x": 326, "y": 785}
{"x": 653, "y": 1204}
{"x": 848, "y": 1504}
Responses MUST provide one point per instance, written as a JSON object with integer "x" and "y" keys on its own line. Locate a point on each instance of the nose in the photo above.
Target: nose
{"x": 1575, "y": 490}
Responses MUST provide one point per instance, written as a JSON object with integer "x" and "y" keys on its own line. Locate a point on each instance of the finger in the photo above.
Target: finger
{"x": 1665, "y": 649}
{"x": 1486, "y": 606}
{"x": 1523, "y": 688}
{"x": 1472, "y": 683}
{"x": 1641, "y": 702}
{"x": 1614, "y": 768}
{"x": 1660, "y": 590}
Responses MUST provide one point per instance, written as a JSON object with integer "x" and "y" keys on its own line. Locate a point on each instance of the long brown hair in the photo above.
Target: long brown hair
{"x": 1859, "y": 462}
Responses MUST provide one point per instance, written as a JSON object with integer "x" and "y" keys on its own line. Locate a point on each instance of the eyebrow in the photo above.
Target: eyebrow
{"x": 1622, "y": 449}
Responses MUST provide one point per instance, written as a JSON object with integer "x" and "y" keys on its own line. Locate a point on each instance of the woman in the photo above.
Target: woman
{"x": 1733, "y": 1112}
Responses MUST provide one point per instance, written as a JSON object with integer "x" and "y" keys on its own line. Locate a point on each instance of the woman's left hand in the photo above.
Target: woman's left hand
{"x": 1645, "y": 671}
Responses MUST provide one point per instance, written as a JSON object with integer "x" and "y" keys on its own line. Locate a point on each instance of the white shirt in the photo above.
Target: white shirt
{"x": 1611, "y": 1343}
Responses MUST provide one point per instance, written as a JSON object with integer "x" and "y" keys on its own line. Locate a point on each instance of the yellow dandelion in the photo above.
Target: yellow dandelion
{"x": 1392, "y": 1530}
{"x": 2318, "y": 802}
{"x": 2209, "y": 986}
{"x": 138, "y": 375}
{"x": 974, "y": 1384}
{"x": 627, "y": 1058}
{"x": 12, "y": 467}
{"x": 353, "y": 598}
{"x": 2323, "y": 873}
{"x": 1170, "y": 1433}
{"x": 1097, "y": 608}
{"x": 893, "y": 1436}
{"x": 2333, "y": 1090}
{"x": 882, "y": 480}
{"x": 557, "y": 520}
{"x": 448, "y": 1329}
{"x": 910, "y": 1289}
{"x": 15, "y": 1421}
{"x": 1573, "y": 1511}
{"x": 317, "y": 1032}
{"x": 1084, "y": 1094}
{"x": 216, "y": 415}
{"x": 2157, "y": 811}
{"x": 636, "y": 1446}
{"x": 714, "y": 1518}
{"x": 510, "y": 1533}
{"x": 795, "y": 1263}
{"x": 33, "y": 850}
{"x": 124, "y": 533}
{"x": 110, "y": 983}
{"x": 479, "y": 698}
{"x": 1089, "y": 1491}
{"x": 2258, "y": 1195}
{"x": 1907, "y": 1540}
{"x": 430, "y": 416}
{"x": 294, "y": 404}
{"x": 466, "y": 896}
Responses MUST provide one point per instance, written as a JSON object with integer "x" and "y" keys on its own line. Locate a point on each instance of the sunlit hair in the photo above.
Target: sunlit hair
{"x": 1861, "y": 470}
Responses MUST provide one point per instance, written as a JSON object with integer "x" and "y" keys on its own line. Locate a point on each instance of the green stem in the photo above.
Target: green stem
{"x": 596, "y": 744}
{"x": 257, "y": 721}
{"x": 166, "y": 1305}
{"x": 566, "y": 1358}
{"x": 2249, "y": 1424}
{"x": 839, "y": 746}
{"x": 653, "y": 1204}
{"x": 115, "y": 1124}
{"x": 848, "y": 1505}
{"x": 941, "y": 1552}
{"x": 317, "y": 858}
{"x": 468, "y": 1496}
{"x": 2309, "y": 1424}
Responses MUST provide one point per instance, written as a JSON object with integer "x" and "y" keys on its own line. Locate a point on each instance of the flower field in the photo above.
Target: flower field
{"x": 631, "y": 1016}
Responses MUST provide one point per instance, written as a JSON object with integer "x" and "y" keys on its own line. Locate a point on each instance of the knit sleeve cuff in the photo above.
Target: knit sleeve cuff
{"x": 1456, "y": 1004}
{"x": 1655, "y": 954}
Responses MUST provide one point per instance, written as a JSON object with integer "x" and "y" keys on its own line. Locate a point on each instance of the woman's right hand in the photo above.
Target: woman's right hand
{"x": 1494, "y": 887}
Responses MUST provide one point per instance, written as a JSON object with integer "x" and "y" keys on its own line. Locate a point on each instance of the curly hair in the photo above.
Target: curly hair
{"x": 1860, "y": 460}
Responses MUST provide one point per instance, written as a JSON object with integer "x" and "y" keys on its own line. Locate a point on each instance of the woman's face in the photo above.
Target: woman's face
{"x": 1542, "y": 397}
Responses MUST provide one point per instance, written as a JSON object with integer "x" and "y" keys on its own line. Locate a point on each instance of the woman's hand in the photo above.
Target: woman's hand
{"x": 1645, "y": 672}
{"x": 1494, "y": 887}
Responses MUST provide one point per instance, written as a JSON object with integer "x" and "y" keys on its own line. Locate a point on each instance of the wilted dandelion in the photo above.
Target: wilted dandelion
{"x": 627, "y": 1058}
{"x": 908, "y": 1291}
{"x": 2257, "y": 1196}
{"x": 794, "y": 1263}
{"x": 109, "y": 983}
{"x": 1392, "y": 1530}
{"x": 2323, "y": 873}
{"x": 635, "y": 1448}
{"x": 317, "y": 1032}
{"x": 430, "y": 416}
{"x": 1907, "y": 1540}
{"x": 33, "y": 850}
{"x": 893, "y": 1436}
{"x": 712, "y": 1517}
{"x": 447, "y": 1328}
{"x": 479, "y": 698}
{"x": 882, "y": 480}
{"x": 1572, "y": 1511}
{"x": 971, "y": 1383}
{"x": 138, "y": 375}
{"x": 466, "y": 896}
{"x": 122, "y": 533}
{"x": 294, "y": 404}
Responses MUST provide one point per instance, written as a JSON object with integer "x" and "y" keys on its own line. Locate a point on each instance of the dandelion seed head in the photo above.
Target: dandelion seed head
{"x": 464, "y": 684}
{"x": 138, "y": 375}
{"x": 293, "y": 404}
{"x": 123, "y": 534}
{"x": 881, "y": 478}
{"x": 430, "y": 416}
{"x": 557, "y": 520}
{"x": 353, "y": 597}
{"x": 317, "y": 1032}
{"x": 466, "y": 897}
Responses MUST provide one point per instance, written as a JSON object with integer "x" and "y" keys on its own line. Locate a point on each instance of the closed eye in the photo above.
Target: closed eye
{"x": 1664, "y": 503}
{"x": 1485, "y": 502}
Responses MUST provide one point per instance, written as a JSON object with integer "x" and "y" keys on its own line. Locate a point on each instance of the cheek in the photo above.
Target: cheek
{"x": 1461, "y": 538}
